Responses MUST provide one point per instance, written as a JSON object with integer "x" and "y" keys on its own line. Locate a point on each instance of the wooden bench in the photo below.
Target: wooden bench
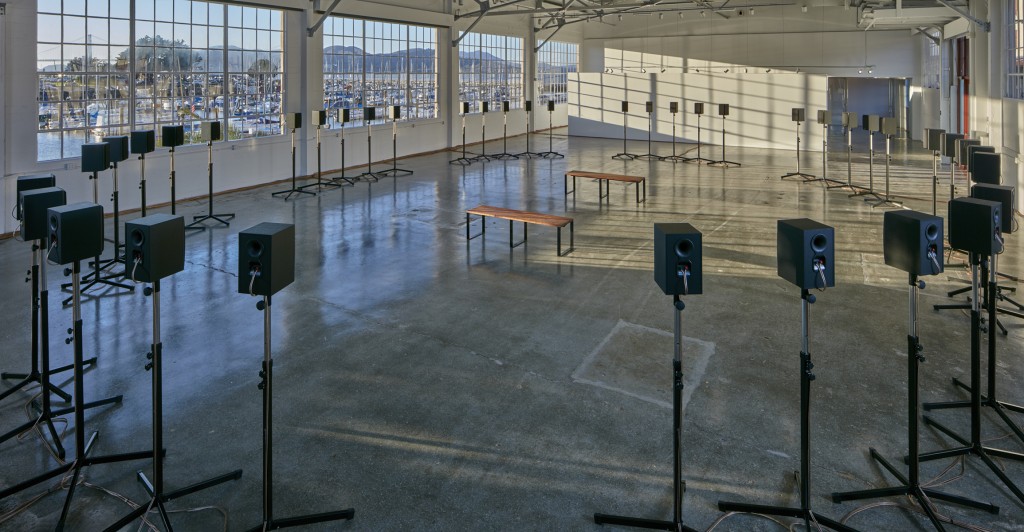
{"x": 526, "y": 217}
{"x": 602, "y": 177}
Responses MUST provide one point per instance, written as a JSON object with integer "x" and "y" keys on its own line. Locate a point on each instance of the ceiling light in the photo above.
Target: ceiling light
{"x": 727, "y": 71}
{"x": 803, "y": 9}
{"x": 860, "y": 71}
{"x": 768, "y": 71}
{"x": 703, "y": 13}
{"x": 681, "y": 15}
{"x": 620, "y": 17}
{"x": 661, "y": 16}
{"x": 751, "y": 11}
{"x": 870, "y": 71}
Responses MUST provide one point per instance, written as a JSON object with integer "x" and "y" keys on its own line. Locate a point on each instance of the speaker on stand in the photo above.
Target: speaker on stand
{"x": 369, "y": 115}
{"x": 464, "y": 161}
{"x": 948, "y": 146}
{"x": 504, "y": 155}
{"x": 723, "y": 111}
{"x": 825, "y": 120}
{"x": 75, "y": 233}
{"x": 678, "y": 272}
{"x": 673, "y": 109}
{"x": 912, "y": 242}
{"x": 961, "y": 154}
{"x": 551, "y": 153}
{"x": 933, "y": 143}
{"x": 625, "y": 155}
{"x": 698, "y": 109}
{"x": 529, "y": 154}
{"x": 343, "y": 117}
{"x": 871, "y": 124}
{"x": 266, "y": 264}
{"x": 143, "y": 142}
{"x": 979, "y": 173}
{"x": 889, "y": 128}
{"x": 806, "y": 258}
{"x": 649, "y": 107}
{"x": 292, "y": 121}
{"x": 975, "y": 226}
{"x": 484, "y": 109}
{"x": 172, "y": 137}
{"x": 319, "y": 117}
{"x": 210, "y": 131}
{"x": 395, "y": 171}
{"x": 118, "y": 153}
{"x": 849, "y": 123}
{"x": 798, "y": 115}
{"x": 156, "y": 250}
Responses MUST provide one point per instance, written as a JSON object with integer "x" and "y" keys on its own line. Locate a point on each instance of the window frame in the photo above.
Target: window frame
{"x": 493, "y": 75}
{"x": 565, "y": 58}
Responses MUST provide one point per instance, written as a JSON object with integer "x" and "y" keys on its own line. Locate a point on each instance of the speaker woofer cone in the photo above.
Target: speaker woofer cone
{"x": 255, "y": 248}
{"x": 819, "y": 243}
{"x": 683, "y": 248}
{"x": 53, "y": 223}
{"x": 932, "y": 232}
{"x": 137, "y": 238}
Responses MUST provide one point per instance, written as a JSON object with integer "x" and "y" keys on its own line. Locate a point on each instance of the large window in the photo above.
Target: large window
{"x": 932, "y": 60}
{"x": 555, "y": 60}
{"x": 380, "y": 64}
{"x": 181, "y": 62}
{"x": 1015, "y": 49}
{"x": 490, "y": 70}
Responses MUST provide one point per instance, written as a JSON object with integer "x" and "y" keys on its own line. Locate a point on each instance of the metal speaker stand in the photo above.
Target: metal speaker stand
{"x": 650, "y": 127}
{"x": 173, "y": 179}
{"x": 466, "y": 161}
{"x": 551, "y": 153}
{"x": 829, "y": 183}
{"x": 625, "y": 155}
{"x": 698, "y": 159}
{"x": 528, "y": 154}
{"x": 798, "y": 173}
{"x": 870, "y": 190}
{"x": 724, "y": 163}
{"x": 678, "y": 484}
{"x": 82, "y": 447}
{"x": 395, "y": 171}
{"x": 849, "y": 162}
{"x": 96, "y": 277}
{"x": 155, "y": 488}
{"x": 342, "y": 180}
{"x": 222, "y": 219}
{"x": 804, "y": 511}
{"x": 504, "y": 155}
{"x": 911, "y": 483}
{"x": 674, "y": 158}
{"x": 974, "y": 446}
{"x": 483, "y": 140}
{"x": 935, "y": 182}
{"x": 369, "y": 174}
{"x": 886, "y": 199}
{"x": 289, "y": 192}
{"x": 266, "y": 384}
{"x": 320, "y": 182}
{"x": 142, "y": 182}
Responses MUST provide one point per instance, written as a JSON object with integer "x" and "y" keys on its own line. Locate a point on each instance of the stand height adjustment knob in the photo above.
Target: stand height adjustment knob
{"x": 149, "y": 366}
{"x": 149, "y": 356}
{"x": 70, "y": 330}
{"x": 147, "y": 291}
{"x": 260, "y": 386}
{"x": 67, "y": 272}
{"x": 67, "y": 341}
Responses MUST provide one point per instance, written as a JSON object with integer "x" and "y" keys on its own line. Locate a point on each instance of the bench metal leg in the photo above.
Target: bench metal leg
{"x": 602, "y": 186}
{"x": 565, "y": 183}
{"x": 571, "y": 241}
{"x": 638, "y": 185}
{"x": 511, "y": 242}
{"x": 483, "y": 228}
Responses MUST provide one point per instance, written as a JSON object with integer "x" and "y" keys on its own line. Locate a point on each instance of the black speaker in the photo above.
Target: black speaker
{"x": 890, "y": 126}
{"x": 32, "y": 205}
{"x": 344, "y": 115}
{"x": 723, "y": 109}
{"x": 976, "y": 148}
{"x": 975, "y": 226}
{"x": 824, "y": 117}
{"x": 673, "y": 107}
{"x": 850, "y": 120}
{"x": 1001, "y": 194}
{"x": 677, "y": 250}
{"x": 625, "y": 107}
{"x": 269, "y": 250}
{"x": 210, "y": 131}
{"x": 528, "y": 105}
{"x": 465, "y": 108}
{"x": 293, "y": 120}
{"x": 551, "y": 106}
{"x": 319, "y": 117}
{"x": 962, "y": 146}
{"x": 172, "y": 136}
{"x": 369, "y": 113}
{"x": 157, "y": 242}
{"x": 698, "y": 108}
{"x": 912, "y": 242}
{"x": 806, "y": 253}
{"x": 797, "y": 114}
{"x": 487, "y": 107}
{"x": 143, "y": 141}
{"x": 396, "y": 112}
{"x": 649, "y": 107}
{"x": 505, "y": 106}
{"x": 933, "y": 139}
{"x": 95, "y": 157}
{"x": 118, "y": 148}
{"x": 75, "y": 232}
{"x": 986, "y": 167}
{"x": 32, "y": 182}
{"x": 872, "y": 123}
{"x": 949, "y": 141}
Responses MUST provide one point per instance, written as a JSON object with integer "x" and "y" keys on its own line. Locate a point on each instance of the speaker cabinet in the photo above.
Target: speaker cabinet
{"x": 872, "y": 123}
{"x": 912, "y": 242}
{"x": 949, "y": 144}
{"x": 118, "y": 148}
{"x": 551, "y": 106}
{"x": 396, "y": 112}
{"x": 962, "y": 145}
{"x": 824, "y": 117}
{"x": 975, "y": 226}
{"x": 34, "y": 181}
{"x": 369, "y": 114}
{"x": 172, "y": 136}
{"x": 723, "y": 109}
{"x": 487, "y": 107}
{"x": 798, "y": 114}
{"x": 344, "y": 116}
{"x": 75, "y": 232}
{"x": 269, "y": 250}
{"x": 850, "y": 120}
{"x": 649, "y": 107}
{"x": 890, "y": 126}
{"x": 1001, "y": 194}
{"x": 986, "y": 168}
{"x": 210, "y": 131}
{"x": 143, "y": 141}
{"x": 528, "y": 104}
{"x": 319, "y": 117}
{"x": 505, "y": 106}
{"x": 677, "y": 249}
{"x": 465, "y": 108}
{"x": 293, "y": 120}
{"x": 673, "y": 107}
{"x": 95, "y": 157}
{"x": 698, "y": 108}
{"x": 32, "y": 206}
{"x": 157, "y": 242}
{"x": 933, "y": 139}
{"x": 806, "y": 253}
{"x": 972, "y": 150}
{"x": 625, "y": 107}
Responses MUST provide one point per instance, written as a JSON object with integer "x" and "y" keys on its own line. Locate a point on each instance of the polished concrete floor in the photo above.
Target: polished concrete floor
{"x": 435, "y": 384}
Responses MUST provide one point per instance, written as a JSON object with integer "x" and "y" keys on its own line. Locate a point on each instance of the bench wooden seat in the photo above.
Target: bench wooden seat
{"x": 603, "y": 177}
{"x": 525, "y": 217}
